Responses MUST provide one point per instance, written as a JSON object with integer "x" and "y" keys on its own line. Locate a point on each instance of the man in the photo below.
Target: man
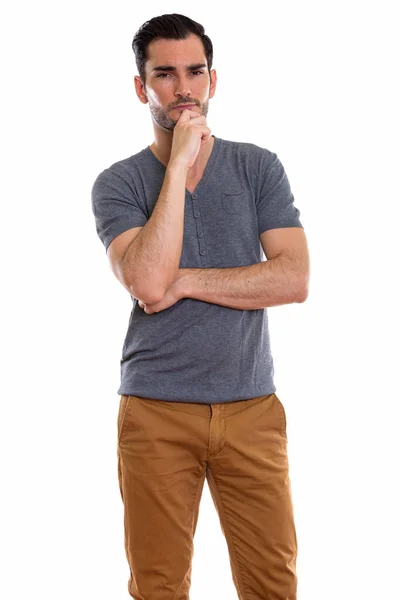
{"x": 184, "y": 222}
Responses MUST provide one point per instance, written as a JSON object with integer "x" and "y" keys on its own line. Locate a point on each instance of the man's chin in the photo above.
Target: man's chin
{"x": 165, "y": 126}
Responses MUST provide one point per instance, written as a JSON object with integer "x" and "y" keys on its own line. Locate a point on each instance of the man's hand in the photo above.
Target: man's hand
{"x": 174, "y": 293}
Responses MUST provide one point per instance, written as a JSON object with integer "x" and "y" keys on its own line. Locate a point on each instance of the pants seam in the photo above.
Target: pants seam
{"x": 196, "y": 495}
{"x": 241, "y": 569}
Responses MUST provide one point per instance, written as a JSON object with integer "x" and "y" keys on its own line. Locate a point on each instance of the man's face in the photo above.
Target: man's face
{"x": 186, "y": 81}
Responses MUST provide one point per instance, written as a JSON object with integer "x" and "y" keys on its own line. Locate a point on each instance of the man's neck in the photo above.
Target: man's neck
{"x": 163, "y": 155}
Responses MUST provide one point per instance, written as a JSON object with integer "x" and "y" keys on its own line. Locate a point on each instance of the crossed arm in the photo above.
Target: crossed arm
{"x": 282, "y": 279}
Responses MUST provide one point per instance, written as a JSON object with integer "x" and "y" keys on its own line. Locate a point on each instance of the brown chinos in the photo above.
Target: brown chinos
{"x": 165, "y": 450}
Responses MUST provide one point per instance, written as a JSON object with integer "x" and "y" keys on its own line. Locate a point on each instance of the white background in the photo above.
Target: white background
{"x": 315, "y": 82}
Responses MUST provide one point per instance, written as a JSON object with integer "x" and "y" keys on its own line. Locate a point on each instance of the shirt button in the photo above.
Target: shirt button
{"x": 200, "y": 234}
{"x": 194, "y": 196}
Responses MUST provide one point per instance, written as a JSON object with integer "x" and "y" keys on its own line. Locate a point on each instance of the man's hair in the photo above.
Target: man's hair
{"x": 171, "y": 27}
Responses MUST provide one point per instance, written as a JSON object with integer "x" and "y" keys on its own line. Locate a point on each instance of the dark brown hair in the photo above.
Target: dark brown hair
{"x": 171, "y": 27}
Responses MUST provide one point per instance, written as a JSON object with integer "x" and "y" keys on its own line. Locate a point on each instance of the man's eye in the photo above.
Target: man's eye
{"x": 165, "y": 74}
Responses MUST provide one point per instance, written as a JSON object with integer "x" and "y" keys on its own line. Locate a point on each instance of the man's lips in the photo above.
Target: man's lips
{"x": 182, "y": 107}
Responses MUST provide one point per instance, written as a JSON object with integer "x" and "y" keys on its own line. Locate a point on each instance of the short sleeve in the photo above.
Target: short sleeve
{"x": 275, "y": 203}
{"x": 115, "y": 206}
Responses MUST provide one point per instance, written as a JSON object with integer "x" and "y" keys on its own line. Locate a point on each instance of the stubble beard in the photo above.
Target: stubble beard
{"x": 162, "y": 119}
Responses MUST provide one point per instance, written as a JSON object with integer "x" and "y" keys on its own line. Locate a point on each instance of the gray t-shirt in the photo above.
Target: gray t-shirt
{"x": 196, "y": 351}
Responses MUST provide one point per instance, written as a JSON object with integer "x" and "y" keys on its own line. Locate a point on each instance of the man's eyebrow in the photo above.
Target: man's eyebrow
{"x": 169, "y": 68}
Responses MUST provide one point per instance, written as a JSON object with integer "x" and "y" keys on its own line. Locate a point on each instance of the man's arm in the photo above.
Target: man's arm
{"x": 152, "y": 260}
{"x": 282, "y": 279}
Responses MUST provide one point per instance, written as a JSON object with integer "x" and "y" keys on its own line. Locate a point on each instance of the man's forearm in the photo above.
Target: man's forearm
{"x": 151, "y": 262}
{"x": 269, "y": 283}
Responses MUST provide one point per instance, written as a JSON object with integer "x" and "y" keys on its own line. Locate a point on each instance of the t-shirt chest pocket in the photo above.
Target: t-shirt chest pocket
{"x": 234, "y": 200}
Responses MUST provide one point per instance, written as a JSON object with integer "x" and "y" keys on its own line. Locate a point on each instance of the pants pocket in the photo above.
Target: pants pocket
{"x": 283, "y": 414}
{"x": 123, "y": 406}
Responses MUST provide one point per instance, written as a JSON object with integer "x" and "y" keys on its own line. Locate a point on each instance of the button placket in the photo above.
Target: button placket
{"x": 200, "y": 233}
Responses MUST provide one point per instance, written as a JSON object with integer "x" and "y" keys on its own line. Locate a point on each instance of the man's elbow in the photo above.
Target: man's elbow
{"x": 302, "y": 290}
{"x": 154, "y": 292}
{"x": 148, "y": 296}
{"x": 302, "y": 297}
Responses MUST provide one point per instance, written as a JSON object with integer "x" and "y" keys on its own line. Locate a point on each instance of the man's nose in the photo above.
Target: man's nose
{"x": 183, "y": 90}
